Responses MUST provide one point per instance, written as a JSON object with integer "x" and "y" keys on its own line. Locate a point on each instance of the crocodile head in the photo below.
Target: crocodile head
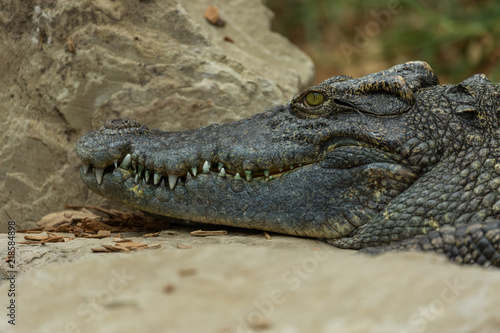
{"x": 322, "y": 165}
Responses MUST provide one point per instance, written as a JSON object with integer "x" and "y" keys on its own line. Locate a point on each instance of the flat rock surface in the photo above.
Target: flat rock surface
{"x": 243, "y": 282}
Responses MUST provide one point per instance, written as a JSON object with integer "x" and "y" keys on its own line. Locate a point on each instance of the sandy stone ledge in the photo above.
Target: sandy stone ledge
{"x": 244, "y": 282}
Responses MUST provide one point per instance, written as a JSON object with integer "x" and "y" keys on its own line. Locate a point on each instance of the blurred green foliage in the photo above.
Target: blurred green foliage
{"x": 456, "y": 37}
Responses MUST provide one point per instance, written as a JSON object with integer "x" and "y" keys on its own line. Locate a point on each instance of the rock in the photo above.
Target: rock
{"x": 243, "y": 282}
{"x": 70, "y": 65}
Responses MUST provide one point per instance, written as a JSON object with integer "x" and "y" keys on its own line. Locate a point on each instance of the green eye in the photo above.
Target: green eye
{"x": 314, "y": 99}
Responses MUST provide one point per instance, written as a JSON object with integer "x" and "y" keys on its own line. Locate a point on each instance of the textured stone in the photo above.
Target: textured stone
{"x": 243, "y": 282}
{"x": 159, "y": 62}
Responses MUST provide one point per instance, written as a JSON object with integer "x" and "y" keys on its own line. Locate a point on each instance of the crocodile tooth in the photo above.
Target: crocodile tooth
{"x": 146, "y": 176}
{"x": 206, "y": 167}
{"x": 194, "y": 170}
{"x": 134, "y": 165}
{"x": 300, "y": 164}
{"x": 271, "y": 177}
{"x": 248, "y": 175}
{"x": 86, "y": 168}
{"x": 98, "y": 175}
{"x": 172, "y": 180}
{"x": 162, "y": 184}
{"x": 116, "y": 164}
{"x": 188, "y": 177}
{"x": 126, "y": 162}
{"x": 136, "y": 180}
{"x": 291, "y": 166}
{"x": 156, "y": 177}
{"x": 280, "y": 169}
{"x": 222, "y": 173}
{"x": 143, "y": 181}
{"x": 237, "y": 176}
{"x": 267, "y": 172}
{"x": 220, "y": 166}
{"x": 139, "y": 169}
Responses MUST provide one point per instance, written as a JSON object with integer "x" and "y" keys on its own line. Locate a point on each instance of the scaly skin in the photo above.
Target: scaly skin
{"x": 390, "y": 160}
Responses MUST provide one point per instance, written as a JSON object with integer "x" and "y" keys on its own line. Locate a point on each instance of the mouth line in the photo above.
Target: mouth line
{"x": 142, "y": 174}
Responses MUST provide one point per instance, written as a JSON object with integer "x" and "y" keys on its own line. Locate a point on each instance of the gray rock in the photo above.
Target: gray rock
{"x": 159, "y": 62}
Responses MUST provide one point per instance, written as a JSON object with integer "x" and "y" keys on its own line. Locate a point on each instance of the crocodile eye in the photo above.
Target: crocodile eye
{"x": 313, "y": 99}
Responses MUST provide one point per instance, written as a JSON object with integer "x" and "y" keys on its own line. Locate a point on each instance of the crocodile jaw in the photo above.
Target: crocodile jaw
{"x": 292, "y": 203}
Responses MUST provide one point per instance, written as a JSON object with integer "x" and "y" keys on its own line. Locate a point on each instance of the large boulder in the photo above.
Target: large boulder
{"x": 159, "y": 62}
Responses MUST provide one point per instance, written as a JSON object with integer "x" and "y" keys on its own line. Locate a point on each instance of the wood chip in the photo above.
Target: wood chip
{"x": 127, "y": 245}
{"x": 36, "y": 237}
{"x": 66, "y": 217}
{"x": 204, "y": 233}
{"x": 212, "y": 16}
{"x": 122, "y": 240}
{"x": 132, "y": 245}
{"x": 44, "y": 238}
{"x": 259, "y": 323}
{"x": 153, "y": 234}
{"x": 100, "y": 234}
{"x": 267, "y": 235}
{"x": 228, "y": 39}
{"x": 31, "y": 231}
{"x": 115, "y": 248}
{"x": 94, "y": 226}
{"x": 71, "y": 46}
{"x": 100, "y": 249}
{"x": 181, "y": 246}
{"x": 53, "y": 239}
{"x": 187, "y": 272}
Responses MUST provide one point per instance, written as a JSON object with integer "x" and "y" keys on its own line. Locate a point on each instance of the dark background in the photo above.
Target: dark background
{"x": 353, "y": 37}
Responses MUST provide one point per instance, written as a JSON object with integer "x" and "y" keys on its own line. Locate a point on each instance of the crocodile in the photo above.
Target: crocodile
{"x": 392, "y": 160}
